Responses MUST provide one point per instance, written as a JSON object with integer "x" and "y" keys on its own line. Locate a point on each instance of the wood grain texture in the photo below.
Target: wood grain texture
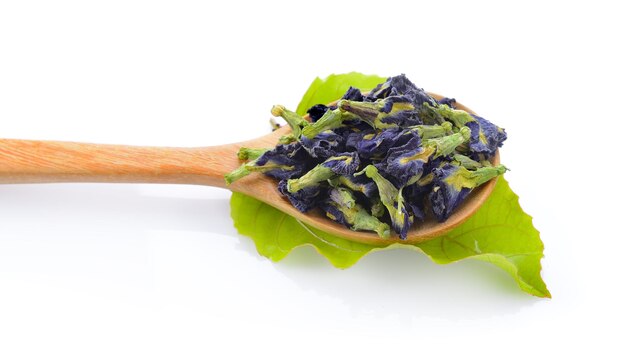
{"x": 26, "y": 161}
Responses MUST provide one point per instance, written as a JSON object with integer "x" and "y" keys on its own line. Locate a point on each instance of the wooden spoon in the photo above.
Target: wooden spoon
{"x": 24, "y": 161}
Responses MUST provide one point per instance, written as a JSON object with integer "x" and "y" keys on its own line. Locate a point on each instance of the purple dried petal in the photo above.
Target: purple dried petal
{"x": 317, "y": 111}
{"x": 353, "y": 139}
{"x": 353, "y": 94}
{"x": 451, "y": 102}
{"x": 402, "y": 226}
{"x": 334, "y": 214}
{"x": 485, "y": 137}
{"x": 360, "y": 184}
{"x": 377, "y": 145}
{"x": 403, "y": 118}
{"x": 305, "y": 199}
{"x": 397, "y": 85}
{"x": 445, "y": 197}
{"x": 290, "y": 160}
{"x": 343, "y": 163}
{"x": 405, "y": 162}
{"x": 414, "y": 196}
{"x": 324, "y": 145}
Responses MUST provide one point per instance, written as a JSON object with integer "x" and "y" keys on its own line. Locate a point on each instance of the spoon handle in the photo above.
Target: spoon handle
{"x": 25, "y": 161}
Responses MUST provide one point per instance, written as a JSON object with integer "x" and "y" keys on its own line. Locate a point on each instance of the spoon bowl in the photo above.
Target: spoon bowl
{"x": 25, "y": 161}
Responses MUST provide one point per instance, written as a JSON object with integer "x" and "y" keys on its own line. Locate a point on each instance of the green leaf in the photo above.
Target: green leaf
{"x": 324, "y": 91}
{"x": 500, "y": 232}
{"x": 276, "y": 233}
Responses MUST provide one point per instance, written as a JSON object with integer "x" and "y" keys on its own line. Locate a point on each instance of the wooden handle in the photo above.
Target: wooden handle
{"x": 24, "y": 161}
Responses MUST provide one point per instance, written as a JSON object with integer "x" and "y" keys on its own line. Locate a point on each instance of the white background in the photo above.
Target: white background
{"x": 95, "y": 269}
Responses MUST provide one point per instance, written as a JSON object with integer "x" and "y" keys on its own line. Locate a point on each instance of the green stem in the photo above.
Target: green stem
{"x": 311, "y": 178}
{"x": 295, "y": 121}
{"x": 445, "y": 145}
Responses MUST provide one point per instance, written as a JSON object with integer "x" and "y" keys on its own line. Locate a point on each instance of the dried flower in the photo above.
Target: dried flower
{"x": 409, "y": 148}
{"x": 452, "y": 184}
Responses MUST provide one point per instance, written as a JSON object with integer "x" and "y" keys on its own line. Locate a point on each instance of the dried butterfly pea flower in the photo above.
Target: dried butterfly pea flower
{"x": 377, "y": 144}
{"x": 380, "y": 91}
{"x": 401, "y": 110}
{"x": 485, "y": 138}
{"x": 342, "y": 208}
{"x": 295, "y": 121}
{"x": 406, "y": 163}
{"x": 342, "y": 196}
{"x": 304, "y": 199}
{"x": 333, "y": 212}
{"x": 389, "y": 112}
{"x": 353, "y": 94}
{"x": 419, "y": 98}
{"x": 401, "y": 86}
{"x": 445, "y": 145}
{"x": 342, "y": 164}
{"x": 244, "y": 154}
{"x": 358, "y": 184}
{"x": 324, "y": 145}
{"x": 393, "y": 200}
{"x": 397, "y": 85}
{"x": 283, "y": 162}
{"x": 429, "y": 115}
{"x": 414, "y": 196}
{"x": 452, "y": 184}
{"x": 312, "y": 178}
{"x": 458, "y": 117}
{"x": 239, "y": 172}
{"x": 331, "y": 119}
